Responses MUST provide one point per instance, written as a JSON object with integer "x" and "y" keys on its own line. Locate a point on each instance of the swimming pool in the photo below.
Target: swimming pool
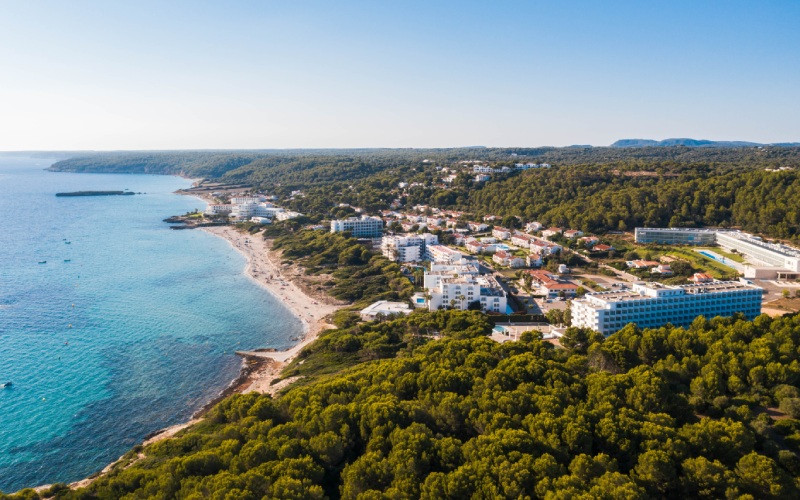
{"x": 718, "y": 258}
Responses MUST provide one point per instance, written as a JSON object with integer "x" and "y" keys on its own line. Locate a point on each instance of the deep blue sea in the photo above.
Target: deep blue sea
{"x": 127, "y": 329}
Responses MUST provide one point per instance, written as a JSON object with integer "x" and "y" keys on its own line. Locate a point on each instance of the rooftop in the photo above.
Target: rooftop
{"x": 775, "y": 247}
{"x": 690, "y": 289}
{"x": 386, "y": 307}
{"x": 444, "y": 249}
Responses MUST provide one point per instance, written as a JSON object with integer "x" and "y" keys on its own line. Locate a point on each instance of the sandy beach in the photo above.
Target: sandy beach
{"x": 265, "y": 269}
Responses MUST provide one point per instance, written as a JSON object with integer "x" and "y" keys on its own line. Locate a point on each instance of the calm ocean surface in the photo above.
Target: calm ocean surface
{"x": 134, "y": 333}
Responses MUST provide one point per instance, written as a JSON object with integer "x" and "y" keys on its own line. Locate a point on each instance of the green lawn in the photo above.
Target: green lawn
{"x": 705, "y": 264}
{"x": 728, "y": 255}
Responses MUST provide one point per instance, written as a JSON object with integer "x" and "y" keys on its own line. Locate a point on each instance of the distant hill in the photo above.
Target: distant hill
{"x": 692, "y": 143}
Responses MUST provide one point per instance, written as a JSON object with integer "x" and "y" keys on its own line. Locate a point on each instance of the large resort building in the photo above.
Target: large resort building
{"x": 654, "y": 305}
{"x": 460, "y": 291}
{"x": 767, "y": 260}
{"x": 675, "y": 236}
{"x": 407, "y": 248}
{"x": 360, "y": 227}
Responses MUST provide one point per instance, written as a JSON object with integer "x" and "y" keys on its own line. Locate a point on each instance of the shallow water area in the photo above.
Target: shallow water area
{"x": 112, "y": 325}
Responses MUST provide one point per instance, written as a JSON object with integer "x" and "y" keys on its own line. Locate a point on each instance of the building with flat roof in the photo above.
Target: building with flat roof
{"x": 459, "y": 292}
{"x": 384, "y": 308}
{"x": 771, "y": 254}
{"x": 360, "y": 227}
{"x": 443, "y": 253}
{"x": 408, "y": 247}
{"x": 652, "y": 305}
{"x": 675, "y": 236}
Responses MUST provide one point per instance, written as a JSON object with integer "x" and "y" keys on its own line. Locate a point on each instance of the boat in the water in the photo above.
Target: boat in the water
{"x": 7, "y": 385}
{"x": 42, "y": 262}
{"x": 67, "y": 260}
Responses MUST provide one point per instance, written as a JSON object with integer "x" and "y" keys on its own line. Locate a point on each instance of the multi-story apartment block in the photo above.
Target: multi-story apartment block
{"x": 240, "y": 200}
{"x": 441, "y": 271}
{"x": 245, "y": 211}
{"x": 772, "y": 254}
{"x": 219, "y": 209}
{"x": 653, "y": 305}
{"x": 521, "y": 239}
{"x": 360, "y": 227}
{"x": 675, "y": 236}
{"x": 501, "y": 233}
{"x": 443, "y": 254}
{"x": 461, "y": 291}
{"x": 407, "y": 248}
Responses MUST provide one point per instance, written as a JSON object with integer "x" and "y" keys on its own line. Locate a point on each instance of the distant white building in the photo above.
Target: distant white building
{"x": 384, "y": 308}
{"x": 244, "y": 211}
{"x": 482, "y": 169}
{"x": 478, "y": 247}
{"x": 408, "y": 247}
{"x": 653, "y": 305}
{"x": 438, "y": 272}
{"x": 508, "y": 259}
{"x": 532, "y": 227}
{"x": 219, "y": 209}
{"x": 477, "y": 226}
{"x": 501, "y": 233}
{"x": 443, "y": 254}
{"x": 522, "y": 240}
{"x": 241, "y": 200}
{"x": 767, "y": 260}
{"x": 543, "y": 247}
{"x": 534, "y": 260}
{"x": 360, "y": 227}
{"x": 460, "y": 291}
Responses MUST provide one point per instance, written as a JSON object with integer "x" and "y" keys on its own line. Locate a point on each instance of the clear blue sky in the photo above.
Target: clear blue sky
{"x": 174, "y": 75}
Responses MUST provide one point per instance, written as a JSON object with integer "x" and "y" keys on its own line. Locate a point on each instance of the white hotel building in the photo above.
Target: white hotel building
{"x": 460, "y": 291}
{"x": 407, "y": 248}
{"x": 444, "y": 254}
{"x": 781, "y": 259}
{"x": 653, "y": 305}
{"x": 363, "y": 227}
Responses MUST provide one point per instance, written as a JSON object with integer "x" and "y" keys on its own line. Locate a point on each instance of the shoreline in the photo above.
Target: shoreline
{"x": 260, "y": 368}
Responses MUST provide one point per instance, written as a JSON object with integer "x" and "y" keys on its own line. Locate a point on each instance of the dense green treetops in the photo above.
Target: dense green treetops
{"x": 666, "y": 412}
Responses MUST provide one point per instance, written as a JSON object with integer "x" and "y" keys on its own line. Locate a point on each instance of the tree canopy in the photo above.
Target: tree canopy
{"x": 665, "y": 412}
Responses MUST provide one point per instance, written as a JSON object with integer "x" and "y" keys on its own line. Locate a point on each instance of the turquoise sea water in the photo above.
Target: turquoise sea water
{"x": 134, "y": 333}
